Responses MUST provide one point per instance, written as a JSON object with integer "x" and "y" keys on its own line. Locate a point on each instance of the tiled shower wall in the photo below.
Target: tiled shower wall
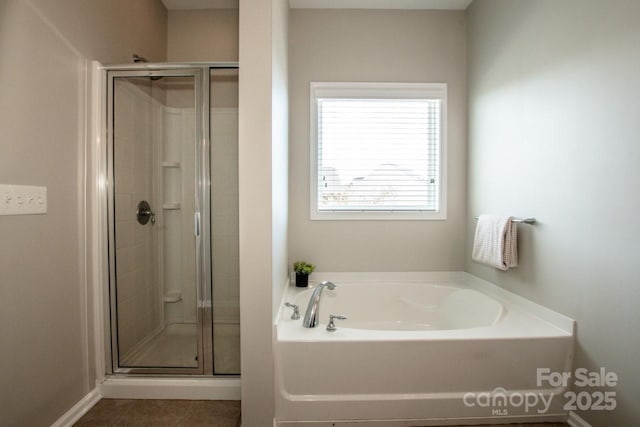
{"x": 178, "y": 241}
{"x": 224, "y": 187}
{"x": 224, "y": 215}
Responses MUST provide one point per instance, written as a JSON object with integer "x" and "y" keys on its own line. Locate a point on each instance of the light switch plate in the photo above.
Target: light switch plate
{"x": 22, "y": 200}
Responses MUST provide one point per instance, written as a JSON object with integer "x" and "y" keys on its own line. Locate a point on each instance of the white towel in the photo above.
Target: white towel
{"x": 495, "y": 242}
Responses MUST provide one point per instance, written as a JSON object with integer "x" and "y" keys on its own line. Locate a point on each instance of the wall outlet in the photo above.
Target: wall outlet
{"x": 22, "y": 200}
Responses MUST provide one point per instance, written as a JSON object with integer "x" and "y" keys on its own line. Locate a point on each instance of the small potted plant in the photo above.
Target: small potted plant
{"x": 303, "y": 270}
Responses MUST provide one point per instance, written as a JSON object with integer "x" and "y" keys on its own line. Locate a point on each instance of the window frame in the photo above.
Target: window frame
{"x": 377, "y": 91}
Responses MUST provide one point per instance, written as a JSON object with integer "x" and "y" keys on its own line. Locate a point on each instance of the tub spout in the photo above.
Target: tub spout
{"x": 312, "y": 314}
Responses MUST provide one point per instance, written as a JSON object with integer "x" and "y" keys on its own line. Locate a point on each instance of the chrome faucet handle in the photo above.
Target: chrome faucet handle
{"x": 331, "y": 327}
{"x": 296, "y": 310}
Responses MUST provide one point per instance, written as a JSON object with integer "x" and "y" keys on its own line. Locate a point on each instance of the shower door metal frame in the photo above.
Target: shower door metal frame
{"x": 202, "y": 217}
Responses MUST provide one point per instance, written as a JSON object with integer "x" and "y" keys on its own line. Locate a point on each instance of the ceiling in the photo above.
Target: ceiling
{"x": 200, "y": 4}
{"x": 380, "y": 4}
{"x": 328, "y": 4}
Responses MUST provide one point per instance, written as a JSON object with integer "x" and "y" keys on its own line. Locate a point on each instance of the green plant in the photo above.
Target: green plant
{"x": 303, "y": 267}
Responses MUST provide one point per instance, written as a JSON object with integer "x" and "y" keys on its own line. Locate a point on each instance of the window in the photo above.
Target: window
{"x": 378, "y": 150}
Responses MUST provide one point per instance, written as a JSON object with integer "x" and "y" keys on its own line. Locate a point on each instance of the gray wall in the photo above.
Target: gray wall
{"x": 202, "y": 35}
{"x": 377, "y": 46}
{"x": 45, "y": 330}
{"x": 553, "y": 133}
{"x": 108, "y": 31}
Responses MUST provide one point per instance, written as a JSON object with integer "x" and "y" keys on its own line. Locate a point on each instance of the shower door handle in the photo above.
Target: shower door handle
{"x": 196, "y": 224}
{"x": 144, "y": 213}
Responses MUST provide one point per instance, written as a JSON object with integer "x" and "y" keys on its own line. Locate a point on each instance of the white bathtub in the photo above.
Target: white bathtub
{"x": 417, "y": 349}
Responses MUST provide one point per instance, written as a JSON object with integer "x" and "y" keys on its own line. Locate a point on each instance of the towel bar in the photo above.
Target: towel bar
{"x": 522, "y": 220}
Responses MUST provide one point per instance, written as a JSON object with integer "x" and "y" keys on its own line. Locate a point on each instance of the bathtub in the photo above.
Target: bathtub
{"x": 418, "y": 349}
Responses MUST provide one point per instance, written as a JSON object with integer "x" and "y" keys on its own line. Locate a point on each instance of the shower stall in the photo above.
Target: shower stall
{"x": 172, "y": 219}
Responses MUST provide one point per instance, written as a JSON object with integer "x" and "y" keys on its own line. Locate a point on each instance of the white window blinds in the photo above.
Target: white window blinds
{"x": 378, "y": 154}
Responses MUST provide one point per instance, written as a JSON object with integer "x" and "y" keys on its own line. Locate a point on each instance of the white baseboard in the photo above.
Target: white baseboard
{"x": 79, "y": 409}
{"x": 171, "y": 388}
{"x": 576, "y": 421}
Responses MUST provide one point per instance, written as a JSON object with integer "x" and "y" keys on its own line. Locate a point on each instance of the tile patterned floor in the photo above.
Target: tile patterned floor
{"x": 185, "y": 413}
{"x": 522, "y": 425}
{"x": 162, "y": 413}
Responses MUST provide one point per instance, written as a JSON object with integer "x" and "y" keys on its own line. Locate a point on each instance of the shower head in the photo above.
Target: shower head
{"x": 137, "y": 58}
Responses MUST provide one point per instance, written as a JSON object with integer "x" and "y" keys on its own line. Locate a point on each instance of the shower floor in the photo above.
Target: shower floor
{"x": 175, "y": 346}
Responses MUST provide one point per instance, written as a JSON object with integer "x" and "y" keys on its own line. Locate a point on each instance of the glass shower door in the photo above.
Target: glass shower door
{"x": 156, "y": 202}
{"x": 224, "y": 220}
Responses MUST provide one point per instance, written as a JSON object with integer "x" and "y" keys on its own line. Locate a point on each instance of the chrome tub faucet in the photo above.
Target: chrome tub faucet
{"x": 312, "y": 314}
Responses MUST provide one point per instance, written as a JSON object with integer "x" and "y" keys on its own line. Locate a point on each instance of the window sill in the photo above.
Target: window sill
{"x": 377, "y": 216}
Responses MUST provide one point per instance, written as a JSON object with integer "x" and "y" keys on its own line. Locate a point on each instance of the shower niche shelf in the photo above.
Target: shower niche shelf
{"x": 171, "y": 206}
{"x": 170, "y": 164}
{"x": 173, "y": 296}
